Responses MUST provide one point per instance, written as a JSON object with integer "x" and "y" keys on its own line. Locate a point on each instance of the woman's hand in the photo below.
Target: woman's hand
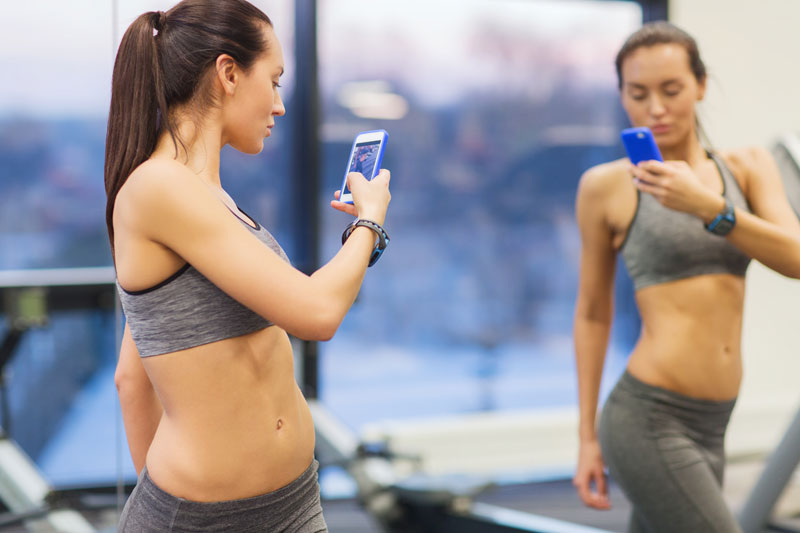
{"x": 675, "y": 185}
{"x": 370, "y": 197}
{"x": 591, "y": 472}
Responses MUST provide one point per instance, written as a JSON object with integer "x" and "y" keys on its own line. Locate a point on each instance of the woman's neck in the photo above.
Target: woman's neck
{"x": 199, "y": 151}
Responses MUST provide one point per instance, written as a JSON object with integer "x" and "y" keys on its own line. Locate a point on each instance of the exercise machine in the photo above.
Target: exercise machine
{"x": 756, "y": 512}
{"x": 413, "y": 502}
{"x": 28, "y": 296}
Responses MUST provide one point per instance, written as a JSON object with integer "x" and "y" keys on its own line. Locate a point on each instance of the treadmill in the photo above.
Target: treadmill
{"x": 756, "y": 513}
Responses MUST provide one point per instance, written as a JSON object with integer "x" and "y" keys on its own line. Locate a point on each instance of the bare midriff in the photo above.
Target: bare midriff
{"x": 691, "y": 336}
{"x": 235, "y": 424}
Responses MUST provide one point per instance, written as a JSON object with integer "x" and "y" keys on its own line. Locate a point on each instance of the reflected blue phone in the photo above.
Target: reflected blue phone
{"x": 640, "y": 145}
{"x": 365, "y": 157}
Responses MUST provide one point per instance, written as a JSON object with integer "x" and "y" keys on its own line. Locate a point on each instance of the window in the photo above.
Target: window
{"x": 53, "y": 113}
{"x": 494, "y": 109}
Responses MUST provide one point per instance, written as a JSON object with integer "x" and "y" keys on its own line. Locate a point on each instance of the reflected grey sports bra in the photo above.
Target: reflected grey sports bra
{"x": 665, "y": 245}
{"x": 187, "y": 310}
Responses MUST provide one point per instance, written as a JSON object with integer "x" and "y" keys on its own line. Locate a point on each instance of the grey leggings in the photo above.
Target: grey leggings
{"x": 666, "y": 451}
{"x": 294, "y": 508}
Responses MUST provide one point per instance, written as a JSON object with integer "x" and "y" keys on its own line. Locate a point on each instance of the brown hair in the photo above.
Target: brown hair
{"x": 162, "y": 62}
{"x": 661, "y": 32}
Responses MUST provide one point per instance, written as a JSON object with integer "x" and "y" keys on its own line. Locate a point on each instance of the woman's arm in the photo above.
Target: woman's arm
{"x": 593, "y": 314}
{"x": 141, "y": 408}
{"x": 771, "y": 234}
{"x": 165, "y": 203}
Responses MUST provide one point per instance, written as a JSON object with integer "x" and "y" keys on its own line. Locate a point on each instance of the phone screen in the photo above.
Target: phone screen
{"x": 363, "y": 161}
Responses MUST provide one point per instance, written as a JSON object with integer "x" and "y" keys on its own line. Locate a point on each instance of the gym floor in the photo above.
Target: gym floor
{"x": 555, "y": 499}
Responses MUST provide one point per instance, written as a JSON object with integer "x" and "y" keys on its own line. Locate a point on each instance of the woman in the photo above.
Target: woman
{"x": 217, "y": 427}
{"x": 686, "y": 229}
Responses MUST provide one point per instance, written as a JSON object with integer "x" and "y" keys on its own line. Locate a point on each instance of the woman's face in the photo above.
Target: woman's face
{"x": 659, "y": 90}
{"x": 256, "y": 102}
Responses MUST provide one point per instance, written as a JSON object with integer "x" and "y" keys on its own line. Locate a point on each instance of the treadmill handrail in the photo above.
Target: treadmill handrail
{"x": 57, "y": 277}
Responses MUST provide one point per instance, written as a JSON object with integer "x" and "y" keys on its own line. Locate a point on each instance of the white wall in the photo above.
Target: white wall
{"x": 752, "y": 51}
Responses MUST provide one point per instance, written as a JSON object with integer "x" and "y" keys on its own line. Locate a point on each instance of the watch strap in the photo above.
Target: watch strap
{"x": 383, "y": 237}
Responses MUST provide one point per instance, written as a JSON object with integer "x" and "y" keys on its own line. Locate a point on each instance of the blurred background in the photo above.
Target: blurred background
{"x": 494, "y": 108}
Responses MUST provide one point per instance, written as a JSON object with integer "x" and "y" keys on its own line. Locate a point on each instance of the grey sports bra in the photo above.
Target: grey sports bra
{"x": 187, "y": 310}
{"x": 665, "y": 245}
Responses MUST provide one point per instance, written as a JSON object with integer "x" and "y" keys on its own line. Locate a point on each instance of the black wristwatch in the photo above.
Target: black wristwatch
{"x": 383, "y": 237}
{"x": 724, "y": 222}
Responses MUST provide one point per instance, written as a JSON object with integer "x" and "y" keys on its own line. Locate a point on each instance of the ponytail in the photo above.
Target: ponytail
{"x": 161, "y": 63}
{"x": 137, "y": 103}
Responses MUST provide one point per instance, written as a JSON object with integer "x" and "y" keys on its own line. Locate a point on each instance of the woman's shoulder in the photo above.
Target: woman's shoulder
{"x": 157, "y": 181}
{"x": 161, "y": 174}
{"x": 605, "y": 178}
{"x": 746, "y": 159}
{"x": 748, "y": 162}
{"x": 159, "y": 187}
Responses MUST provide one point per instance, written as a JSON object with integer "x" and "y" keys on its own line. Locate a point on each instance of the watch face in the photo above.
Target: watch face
{"x": 724, "y": 226}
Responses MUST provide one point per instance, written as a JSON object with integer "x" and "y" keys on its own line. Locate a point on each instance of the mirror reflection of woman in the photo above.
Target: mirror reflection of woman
{"x": 686, "y": 229}
{"x": 218, "y": 429}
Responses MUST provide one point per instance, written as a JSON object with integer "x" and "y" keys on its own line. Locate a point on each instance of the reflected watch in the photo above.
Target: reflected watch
{"x": 724, "y": 222}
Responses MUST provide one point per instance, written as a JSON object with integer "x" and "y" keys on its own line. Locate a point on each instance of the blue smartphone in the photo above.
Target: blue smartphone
{"x": 365, "y": 157}
{"x": 640, "y": 145}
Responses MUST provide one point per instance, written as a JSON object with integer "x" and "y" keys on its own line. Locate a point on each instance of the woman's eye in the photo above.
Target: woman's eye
{"x": 639, "y": 96}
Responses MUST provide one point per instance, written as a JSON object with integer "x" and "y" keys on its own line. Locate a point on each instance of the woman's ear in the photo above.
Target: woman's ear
{"x": 701, "y": 89}
{"x": 227, "y": 74}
